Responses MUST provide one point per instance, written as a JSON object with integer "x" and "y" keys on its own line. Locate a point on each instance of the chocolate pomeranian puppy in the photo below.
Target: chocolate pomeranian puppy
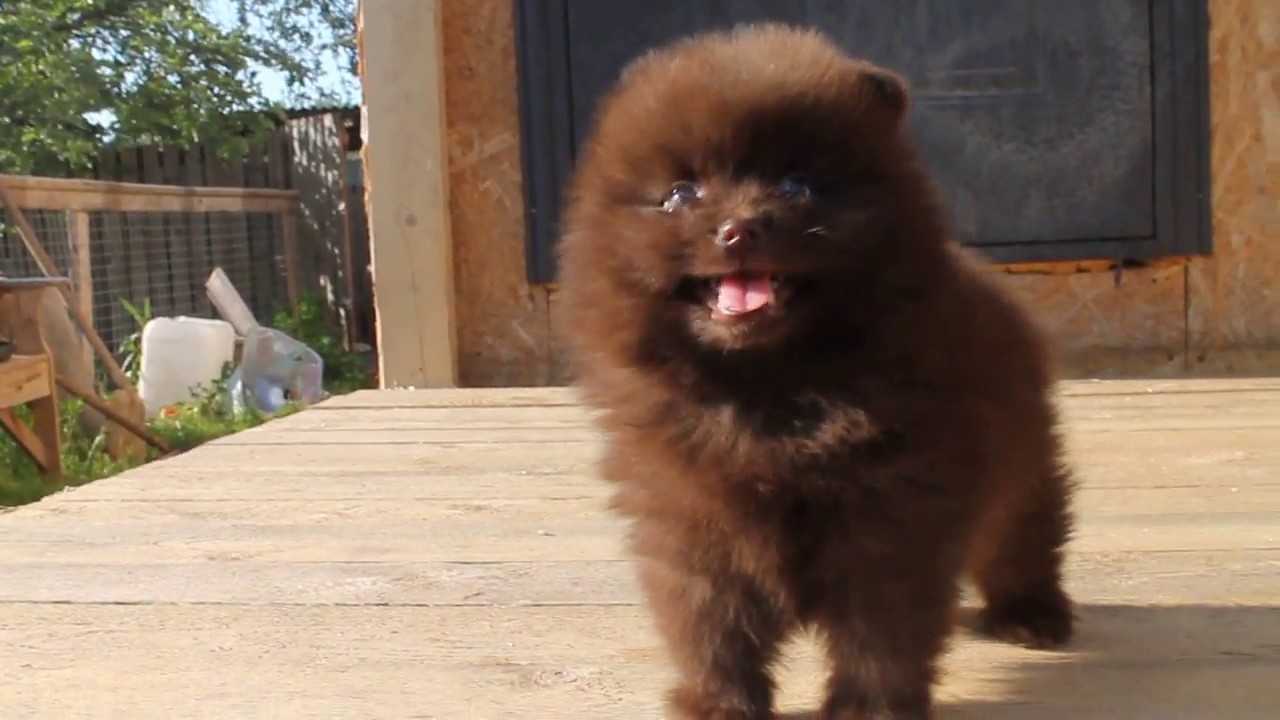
{"x": 820, "y": 412}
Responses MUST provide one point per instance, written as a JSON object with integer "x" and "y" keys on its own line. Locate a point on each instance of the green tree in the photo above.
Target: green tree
{"x": 77, "y": 73}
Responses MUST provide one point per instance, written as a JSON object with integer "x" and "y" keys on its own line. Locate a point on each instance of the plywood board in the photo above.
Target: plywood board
{"x": 1234, "y": 297}
{"x": 503, "y": 336}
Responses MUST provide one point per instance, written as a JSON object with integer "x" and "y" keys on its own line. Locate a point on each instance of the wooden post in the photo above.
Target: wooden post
{"x": 81, "y": 270}
{"x": 289, "y": 231}
{"x": 406, "y": 171}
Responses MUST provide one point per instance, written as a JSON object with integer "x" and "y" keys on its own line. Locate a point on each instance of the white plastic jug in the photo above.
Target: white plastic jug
{"x": 182, "y": 358}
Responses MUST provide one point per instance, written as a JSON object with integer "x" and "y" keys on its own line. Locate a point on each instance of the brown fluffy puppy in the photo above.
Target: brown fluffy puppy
{"x": 818, "y": 412}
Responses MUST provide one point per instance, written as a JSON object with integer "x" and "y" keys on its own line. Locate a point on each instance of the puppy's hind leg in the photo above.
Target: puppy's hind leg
{"x": 723, "y": 635}
{"x": 1020, "y": 578}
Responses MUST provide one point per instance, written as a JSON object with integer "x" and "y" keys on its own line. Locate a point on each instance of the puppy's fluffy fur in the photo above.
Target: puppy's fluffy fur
{"x": 819, "y": 412}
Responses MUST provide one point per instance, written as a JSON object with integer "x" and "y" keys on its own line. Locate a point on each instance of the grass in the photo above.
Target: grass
{"x": 85, "y": 459}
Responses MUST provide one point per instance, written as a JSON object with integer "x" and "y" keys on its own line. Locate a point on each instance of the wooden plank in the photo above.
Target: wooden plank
{"x": 1179, "y": 486}
{"x": 223, "y": 240}
{"x": 1100, "y": 411}
{"x": 406, "y": 172}
{"x": 177, "y": 239}
{"x": 78, "y": 239}
{"x": 113, "y": 321}
{"x": 1248, "y": 455}
{"x": 27, "y": 440}
{"x": 23, "y": 378}
{"x": 469, "y": 500}
{"x": 261, "y": 239}
{"x": 239, "y": 240}
{"x": 531, "y": 531}
{"x": 1190, "y": 577}
{"x": 151, "y": 271}
{"x": 293, "y": 274}
{"x": 1176, "y": 387}
{"x": 286, "y": 238}
{"x": 574, "y": 662}
{"x": 201, "y": 228}
{"x": 79, "y": 242}
{"x": 319, "y": 176}
{"x": 537, "y": 396}
{"x": 452, "y": 397}
{"x": 517, "y": 423}
{"x": 94, "y": 195}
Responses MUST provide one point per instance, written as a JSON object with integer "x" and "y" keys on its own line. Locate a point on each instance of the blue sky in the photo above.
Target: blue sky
{"x": 273, "y": 83}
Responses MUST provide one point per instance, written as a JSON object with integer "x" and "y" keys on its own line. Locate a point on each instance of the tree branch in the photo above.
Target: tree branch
{"x": 71, "y": 22}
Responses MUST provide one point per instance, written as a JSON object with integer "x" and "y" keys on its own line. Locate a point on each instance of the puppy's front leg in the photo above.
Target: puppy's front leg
{"x": 886, "y": 622}
{"x": 883, "y": 655}
{"x": 722, "y": 633}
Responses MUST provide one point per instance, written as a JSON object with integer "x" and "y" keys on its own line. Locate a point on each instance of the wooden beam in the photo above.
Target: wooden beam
{"x": 42, "y": 193}
{"x": 78, "y": 242}
{"x": 406, "y": 175}
{"x": 1074, "y": 267}
{"x": 91, "y": 399}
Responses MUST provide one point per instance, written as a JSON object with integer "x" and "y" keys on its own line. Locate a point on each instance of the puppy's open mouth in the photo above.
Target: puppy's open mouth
{"x": 736, "y": 295}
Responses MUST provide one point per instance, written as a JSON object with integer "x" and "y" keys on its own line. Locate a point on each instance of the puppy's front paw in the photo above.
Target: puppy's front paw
{"x": 688, "y": 703}
{"x": 1039, "y": 621}
{"x": 850, "y": 712}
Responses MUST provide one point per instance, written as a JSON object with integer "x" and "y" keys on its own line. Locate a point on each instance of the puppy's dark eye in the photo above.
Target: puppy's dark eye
{"x": 793, "y": 188}
{"x": 681, "y": 194}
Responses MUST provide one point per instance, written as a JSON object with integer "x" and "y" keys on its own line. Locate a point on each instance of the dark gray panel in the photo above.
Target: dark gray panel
{"x": 1059, "y": 131}
{"x": 1035, "y": 115}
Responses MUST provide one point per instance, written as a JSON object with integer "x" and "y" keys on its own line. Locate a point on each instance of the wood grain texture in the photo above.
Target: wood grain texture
{"x": 1234, "y": 301}
{"x": 448, "y": 554}
{"x": 503, "y": 326}
{"x": 406, "y": 173}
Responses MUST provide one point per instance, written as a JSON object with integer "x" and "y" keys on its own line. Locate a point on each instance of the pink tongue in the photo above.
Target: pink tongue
{"x": 743, "y": 294}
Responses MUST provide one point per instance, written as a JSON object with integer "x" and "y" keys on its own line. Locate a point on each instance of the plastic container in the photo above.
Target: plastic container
{"x": 182, "y": 358}
{"x": 275, "y": 369}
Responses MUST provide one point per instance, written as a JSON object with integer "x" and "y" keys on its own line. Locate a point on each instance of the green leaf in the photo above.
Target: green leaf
{"x": 77, "y": 74}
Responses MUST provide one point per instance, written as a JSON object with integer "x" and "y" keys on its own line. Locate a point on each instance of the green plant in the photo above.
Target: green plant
{"x": 130, "y": 350}
{"x": 85, "y": 458}
{"x": 184, "y": 426}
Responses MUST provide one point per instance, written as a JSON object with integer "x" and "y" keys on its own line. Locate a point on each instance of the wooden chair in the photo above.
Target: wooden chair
{"x": 28, "y": 377}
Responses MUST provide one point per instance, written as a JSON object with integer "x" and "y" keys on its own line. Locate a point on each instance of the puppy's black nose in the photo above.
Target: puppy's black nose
{"x": 741, "y": 230}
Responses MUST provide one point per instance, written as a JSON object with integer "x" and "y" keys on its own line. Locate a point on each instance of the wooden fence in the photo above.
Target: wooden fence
{"x": 307, "y": 154}
{"x": 135, "y": 242}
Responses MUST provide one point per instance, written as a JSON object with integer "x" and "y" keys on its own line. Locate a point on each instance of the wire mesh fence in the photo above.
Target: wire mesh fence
{"x": 116, "y": 259}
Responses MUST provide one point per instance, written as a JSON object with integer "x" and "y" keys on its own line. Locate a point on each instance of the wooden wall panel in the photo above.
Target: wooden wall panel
{"x": 1234, "y": 298}
{"x": 503, "y": 328}
{"x": 1101, "y": 329}
{"x": 1209, "y": 316}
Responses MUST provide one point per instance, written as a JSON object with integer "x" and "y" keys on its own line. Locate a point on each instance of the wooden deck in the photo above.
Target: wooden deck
{"x": 446, "y": 555}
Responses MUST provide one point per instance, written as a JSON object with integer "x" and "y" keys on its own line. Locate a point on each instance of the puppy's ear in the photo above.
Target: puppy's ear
{"x": 890, "y": 89}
